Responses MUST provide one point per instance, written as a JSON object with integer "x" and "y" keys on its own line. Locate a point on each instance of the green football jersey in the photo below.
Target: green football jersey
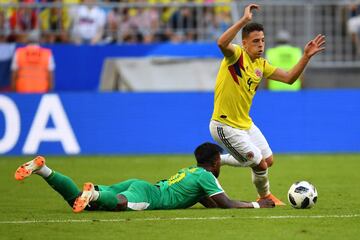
{"x": 187, "y": 187}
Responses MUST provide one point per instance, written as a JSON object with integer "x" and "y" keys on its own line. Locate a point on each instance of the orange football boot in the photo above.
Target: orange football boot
{"x": 28, "y": 168}
{"x": 84, "y": 199}
{"x": 277, "y": 201}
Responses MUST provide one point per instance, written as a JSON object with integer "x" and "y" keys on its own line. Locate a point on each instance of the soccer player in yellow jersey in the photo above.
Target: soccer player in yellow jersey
{"x": 239, "y": 76}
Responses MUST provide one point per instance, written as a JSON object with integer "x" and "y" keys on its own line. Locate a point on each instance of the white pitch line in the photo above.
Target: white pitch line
{"x": 173, "y": 219}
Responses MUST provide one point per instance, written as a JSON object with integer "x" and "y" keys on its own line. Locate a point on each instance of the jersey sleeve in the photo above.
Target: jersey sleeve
{"x": 232, "y": 59}
{"x": 210, "y": 184}
{"x": 268, "y": 69}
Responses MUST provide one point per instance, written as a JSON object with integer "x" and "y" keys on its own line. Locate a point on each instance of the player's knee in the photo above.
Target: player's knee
{"x": 269, "y": 161}
{"x": 121, "y": 203}
{"x": 262, "y": 166}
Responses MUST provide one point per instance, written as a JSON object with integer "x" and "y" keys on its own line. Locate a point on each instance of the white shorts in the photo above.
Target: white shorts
{"x": 354, "y": 25}
{"x": 248, "y": 147}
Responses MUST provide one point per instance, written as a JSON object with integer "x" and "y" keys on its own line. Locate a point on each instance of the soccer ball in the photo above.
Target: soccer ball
{"x": 302, "y": 195}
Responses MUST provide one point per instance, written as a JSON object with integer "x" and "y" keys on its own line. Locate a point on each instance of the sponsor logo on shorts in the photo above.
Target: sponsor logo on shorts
{"x": 250, "y": 155}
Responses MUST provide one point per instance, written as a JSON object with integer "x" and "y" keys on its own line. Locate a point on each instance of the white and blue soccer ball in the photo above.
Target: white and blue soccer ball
{"x": 302, "y": 194}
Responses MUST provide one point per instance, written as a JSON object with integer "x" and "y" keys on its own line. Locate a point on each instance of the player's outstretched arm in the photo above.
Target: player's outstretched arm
{"x": 311, "y": 48}
{"x": 224, "y": 41}
{"x": 208, "y": 202}
{"x": 222, "y": 201}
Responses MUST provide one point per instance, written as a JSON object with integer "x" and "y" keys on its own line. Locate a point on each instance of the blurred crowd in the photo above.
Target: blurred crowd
{"x": 353, "y": 25}
{"x": 113, "y": 21}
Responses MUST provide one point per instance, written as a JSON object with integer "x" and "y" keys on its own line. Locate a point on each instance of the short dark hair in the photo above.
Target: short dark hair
{"x": 207, "y": 152}
{"x": 251, "y": 27}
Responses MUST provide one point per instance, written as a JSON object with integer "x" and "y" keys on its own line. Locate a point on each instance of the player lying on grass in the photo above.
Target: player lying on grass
{"x": 183, "y": 190}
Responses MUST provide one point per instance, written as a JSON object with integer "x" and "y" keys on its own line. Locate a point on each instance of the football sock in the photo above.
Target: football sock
{"x": 44, "y": 171}
{"x": 64, "y": 185}
{"x": 95, "y": 196}
{"x": 107, "y": 200}
{"x": 261, "y": 182}
{"x": 228, "y": 159}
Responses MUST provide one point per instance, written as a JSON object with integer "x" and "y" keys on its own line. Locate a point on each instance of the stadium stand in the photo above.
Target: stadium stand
{"x": 182, "y": 22}
{"x": 200, "y": 20}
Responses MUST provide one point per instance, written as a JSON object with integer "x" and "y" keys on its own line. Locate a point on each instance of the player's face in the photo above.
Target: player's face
{"x": 217, "y": 165}
{"x": 254, "y": 44}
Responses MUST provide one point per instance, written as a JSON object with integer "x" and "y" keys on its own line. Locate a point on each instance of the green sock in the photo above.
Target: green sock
{"x": 63, "y": 185}
{"x": 107, "y": 200}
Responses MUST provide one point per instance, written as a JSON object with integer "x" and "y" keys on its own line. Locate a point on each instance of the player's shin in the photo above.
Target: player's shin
{"x": 64, "y": 185}
{"x": 261, "y": 182}
{"x": 110, "y": 201}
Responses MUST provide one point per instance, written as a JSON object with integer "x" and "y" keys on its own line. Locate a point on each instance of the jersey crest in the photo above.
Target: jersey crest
{"x": 258, "y": 73}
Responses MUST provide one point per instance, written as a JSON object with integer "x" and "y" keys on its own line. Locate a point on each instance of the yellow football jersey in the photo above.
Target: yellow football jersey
{"x": 236, "y": 84}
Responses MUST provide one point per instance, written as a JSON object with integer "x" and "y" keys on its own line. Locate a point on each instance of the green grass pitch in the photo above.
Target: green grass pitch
{"x": 32, "y": 210}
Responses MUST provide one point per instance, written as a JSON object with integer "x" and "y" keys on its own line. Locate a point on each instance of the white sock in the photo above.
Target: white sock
{"x": 261, "y": 182}
{"x": 95, "y": 195}
{"x": 44, "y": 171}
{"x": 228, "y": 159}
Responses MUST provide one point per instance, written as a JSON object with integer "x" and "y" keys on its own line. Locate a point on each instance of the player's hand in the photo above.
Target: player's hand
{"x": 314, "y": 46}
{"x": 266, "y": 203}
{"x": 248, "y": 11}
